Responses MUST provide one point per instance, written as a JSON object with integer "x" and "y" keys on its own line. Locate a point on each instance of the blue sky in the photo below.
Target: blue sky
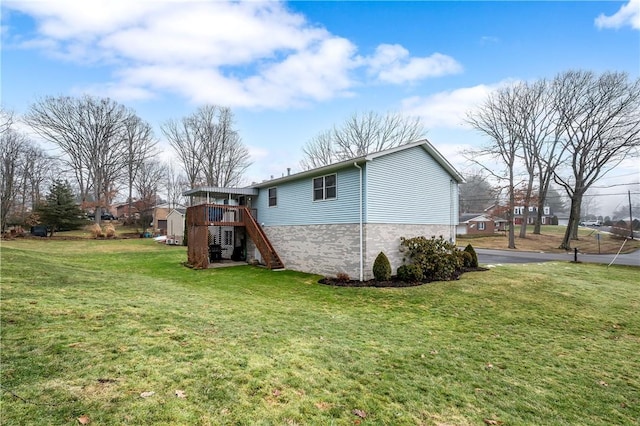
{"x": 291, "y": 70}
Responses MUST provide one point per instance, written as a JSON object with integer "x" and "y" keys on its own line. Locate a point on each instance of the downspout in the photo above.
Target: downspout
{"x": 451, "y": 212}
{"x": 361, "y": 234}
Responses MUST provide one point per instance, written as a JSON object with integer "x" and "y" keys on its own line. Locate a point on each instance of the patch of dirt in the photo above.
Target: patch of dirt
{"x": 393, "y": 282}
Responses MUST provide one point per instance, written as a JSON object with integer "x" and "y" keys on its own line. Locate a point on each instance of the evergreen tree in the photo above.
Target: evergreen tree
{"x": 59, "y": 211}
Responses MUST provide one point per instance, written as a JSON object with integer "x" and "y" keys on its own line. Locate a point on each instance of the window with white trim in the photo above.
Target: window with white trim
{"x": 273, "y": 197}
{"x": 482, "y": 226}
{"x": 228, "y": 238}
{"x": 324, "y": 187}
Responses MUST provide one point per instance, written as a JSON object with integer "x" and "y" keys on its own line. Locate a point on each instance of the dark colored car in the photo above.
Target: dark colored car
{"x": 39, "y": 231}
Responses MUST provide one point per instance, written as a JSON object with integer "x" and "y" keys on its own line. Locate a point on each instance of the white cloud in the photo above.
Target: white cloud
{"x": 629, "y": 14}
{"x": 393, "y": 64}
{"x": 251, "y": 54}
{"x": 448, "y": 109}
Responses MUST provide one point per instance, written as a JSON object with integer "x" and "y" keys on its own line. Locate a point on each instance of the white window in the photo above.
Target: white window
{"x": 531, "y": 208}
{"x": 547, "y": 210}
{"x": 324, "y": 187}
{"x": 273, "y": 197}
{"x": 228, "y": 238}
{"x": 482, "y": 226}
{"x": 517, "y": 210}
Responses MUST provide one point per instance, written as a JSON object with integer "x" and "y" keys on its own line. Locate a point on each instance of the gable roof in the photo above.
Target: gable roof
{"x": 474, "y": 217}
{"x": 424, "y": 143}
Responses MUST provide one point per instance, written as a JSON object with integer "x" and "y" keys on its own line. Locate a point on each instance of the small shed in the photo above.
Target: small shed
{"x": 175, "y": 226}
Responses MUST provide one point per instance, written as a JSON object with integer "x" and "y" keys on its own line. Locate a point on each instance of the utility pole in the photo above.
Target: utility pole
{"x": 630, "y": 216}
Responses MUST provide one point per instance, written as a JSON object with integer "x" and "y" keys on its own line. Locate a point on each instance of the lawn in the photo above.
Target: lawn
{"x": 550, "y": 238}
{"x": 89, "y": 326}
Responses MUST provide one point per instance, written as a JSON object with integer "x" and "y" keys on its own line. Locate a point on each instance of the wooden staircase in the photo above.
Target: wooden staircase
{"x": 255, "y": 231}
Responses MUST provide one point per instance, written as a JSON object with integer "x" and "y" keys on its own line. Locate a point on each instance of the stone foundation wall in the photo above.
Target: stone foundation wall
{"x": 386, "y": 238}
{"x": 331, "y": 249}
{"x": 319, "y": 249}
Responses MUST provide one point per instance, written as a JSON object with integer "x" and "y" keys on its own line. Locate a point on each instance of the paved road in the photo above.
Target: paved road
{"x": 492, "y": 257}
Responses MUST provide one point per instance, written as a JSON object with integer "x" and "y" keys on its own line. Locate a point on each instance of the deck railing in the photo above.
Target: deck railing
{"x": 218, "y": 214}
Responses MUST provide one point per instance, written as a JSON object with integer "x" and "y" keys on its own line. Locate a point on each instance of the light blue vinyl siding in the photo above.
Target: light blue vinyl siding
{"x": 296, "y": 205}
{"x": 410, "y": 187}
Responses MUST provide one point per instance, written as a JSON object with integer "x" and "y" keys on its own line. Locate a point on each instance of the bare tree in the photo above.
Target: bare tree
{"x": 150, "y": 178}
{"x": 12, "y": 145}
{"x": 208, "y": 147}
{"x": 496, "y": 118}
{"x": 6, "y": 120}
{"x": 176, "y": 184}
{"x": 36, "y": 170}
{"x": 232, "y": 156}
{"x": 359, "y": 135}
{"x": 541, "y": 148}
{"x": 90, "y": 133}
{"x": 600, "y": 119}
{"x": 476, "y": 193}
{"x": 140, "y": 147}
{"x": 183, "y": 139}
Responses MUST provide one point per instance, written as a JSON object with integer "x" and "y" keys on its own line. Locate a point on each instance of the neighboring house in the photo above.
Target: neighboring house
{"x": 159, "y": 215}
{"x": 477, "y": 224}
{"x": 498, "y": 210}
{"x": 336, "y": 218}
{"x": 175, "y": 226}
{"x": 518, "y": 215}
{"x": 121, "y": 211}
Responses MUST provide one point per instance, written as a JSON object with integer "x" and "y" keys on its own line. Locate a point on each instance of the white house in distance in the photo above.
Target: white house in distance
{"x": 336, "y": 218}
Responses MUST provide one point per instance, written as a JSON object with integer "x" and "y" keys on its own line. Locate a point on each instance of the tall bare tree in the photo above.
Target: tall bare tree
{"x": 90, "y": 133}
{"x": 12, "y": 146}
{"x": 149, "y": 180}
{"x": 183, "y": 138}
{"x": 140, "y": 147}
{"x": 359, "y": 135}
{"x": 496, "y": 118}
{"x": 541, "y": 145}
{"x": 208, "y": 147}
{"x": 600, "y": 120}
{"x": 175, "y": 184}
{"x": 37, "y": 169}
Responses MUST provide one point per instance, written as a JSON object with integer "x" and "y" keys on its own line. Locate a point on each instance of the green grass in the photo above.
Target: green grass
{"x": 87, "y": 326}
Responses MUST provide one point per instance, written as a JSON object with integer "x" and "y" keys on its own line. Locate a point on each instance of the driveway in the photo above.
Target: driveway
{"x": 492, "y": 257}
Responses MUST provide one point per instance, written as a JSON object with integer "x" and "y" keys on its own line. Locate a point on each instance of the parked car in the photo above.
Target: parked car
{"x": 590, "y": 223}
{"x": 39, "y": 231}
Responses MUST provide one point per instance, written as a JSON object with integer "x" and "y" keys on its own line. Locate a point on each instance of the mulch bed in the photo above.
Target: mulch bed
{"x": 394, "y": 282}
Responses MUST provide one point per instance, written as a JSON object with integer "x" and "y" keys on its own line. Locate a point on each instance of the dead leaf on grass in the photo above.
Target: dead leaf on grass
{"x": 603, "y": 383}
{"x": 276, "y": 392}
{"x": 147, "y": 394}
{"x": 84, "y": 420}
{"x": 180, "y": 393}
{"x": 488, "y": 366}
{"x": 492, "y": 422}
{"x": 359, "y": 413}
{"x": 322, "y": 405}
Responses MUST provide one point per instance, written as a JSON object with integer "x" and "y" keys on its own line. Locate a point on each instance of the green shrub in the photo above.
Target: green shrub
{"x": 382, "y": 268}
{"x": 438, "y": 259}
{"x": 409, "y": 273}
{"x": 474, "y": 256}
{"x": 467, "y": 259}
